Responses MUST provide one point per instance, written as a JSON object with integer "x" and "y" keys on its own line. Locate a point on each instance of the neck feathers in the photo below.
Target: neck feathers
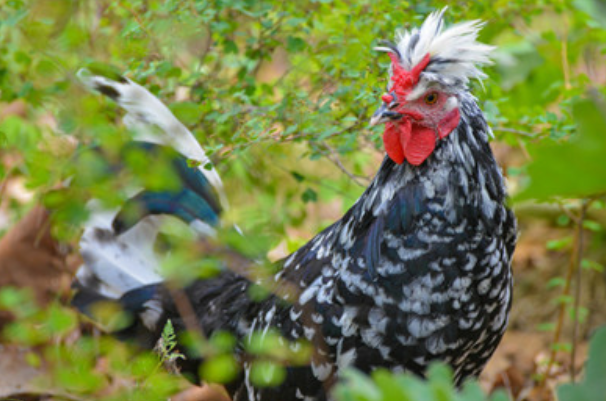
{"x": 462, "y": 164}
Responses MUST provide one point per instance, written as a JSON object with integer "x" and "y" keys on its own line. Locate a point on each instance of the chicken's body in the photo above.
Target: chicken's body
{"x": 417, "y": 270}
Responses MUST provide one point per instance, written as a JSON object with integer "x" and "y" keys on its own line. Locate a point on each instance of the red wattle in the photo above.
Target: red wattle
{"x": 421, "y": 144}
{"x": 391, "y": 141}
{"x": 405, "y": 140}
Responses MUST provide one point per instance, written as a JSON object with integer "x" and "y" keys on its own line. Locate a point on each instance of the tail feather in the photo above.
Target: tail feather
{"x": 115, "y": 264}
{"x": 185, "y": 205}
{"x": 193, "y": 198}
{"x": 153, "y": 122}
{"x": 120, "y": 263}
{"x": 142, "y": 308}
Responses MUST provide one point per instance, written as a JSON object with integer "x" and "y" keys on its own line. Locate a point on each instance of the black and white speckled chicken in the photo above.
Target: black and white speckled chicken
{"x": 419, "y": 269}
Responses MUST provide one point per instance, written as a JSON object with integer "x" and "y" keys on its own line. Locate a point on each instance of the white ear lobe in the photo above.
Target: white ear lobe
{"x": 451, "y": 103}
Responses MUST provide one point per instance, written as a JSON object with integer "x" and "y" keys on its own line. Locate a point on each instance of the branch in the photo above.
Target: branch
{"x": 516, "y": 131}
{"x": 574, "y": 266}
{"x": 334, "y": 157}
{"x": 577, "y": 290}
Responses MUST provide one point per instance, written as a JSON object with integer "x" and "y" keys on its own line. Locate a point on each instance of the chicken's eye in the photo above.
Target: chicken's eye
{"x": 431, "y": 98}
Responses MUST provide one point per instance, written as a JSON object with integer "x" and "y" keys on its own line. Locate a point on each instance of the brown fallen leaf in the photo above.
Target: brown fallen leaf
{"x": 209, "y": 392}
{"x": 511, "y": 380}
{"x": 17, "y": 375}
{"x": 31, "y": 258}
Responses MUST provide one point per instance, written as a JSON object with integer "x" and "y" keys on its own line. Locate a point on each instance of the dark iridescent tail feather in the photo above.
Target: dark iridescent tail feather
{"x": 121, "y": 266}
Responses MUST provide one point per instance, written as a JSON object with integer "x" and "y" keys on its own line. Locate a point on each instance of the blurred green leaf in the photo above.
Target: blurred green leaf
{"x": 219, "y": 369}
{"x": 186, "y": 112}
{"x": 593, "y": 385}
{"x": 267, "y": 374}
{"x": 573, "y": 168}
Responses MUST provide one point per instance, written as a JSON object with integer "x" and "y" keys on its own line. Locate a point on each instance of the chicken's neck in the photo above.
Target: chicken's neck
{"x": 459, "y": 188}
{"x": 462, "y": 164}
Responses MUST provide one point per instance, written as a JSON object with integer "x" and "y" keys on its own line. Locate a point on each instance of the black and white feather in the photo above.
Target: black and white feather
{"x": 119, "y": 255}
{"x": 417, "y": 270}
{"x": 456, "y": 56}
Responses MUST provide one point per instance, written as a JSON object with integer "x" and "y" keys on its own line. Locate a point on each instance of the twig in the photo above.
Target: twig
{"x": 524, "y": 150}
{"x": 334, "y": 157}
{"x": 192, "y": 7}
{"x": 564, "y": 54}
{"x": 562, "y": 308}
{"x": 318, "y": 182}
{"x": 151, "y": 37}
{"x": 141, "y": 25}
{"x": 281, "y": 139}
{"x": 516, "y": 131}
{"x": 577, "y": 291}
{"x": 186, "y": 310}
{"x": 574, "y": 266}
{"x": 4, "y": 182}
{"x": 567, "y": 212}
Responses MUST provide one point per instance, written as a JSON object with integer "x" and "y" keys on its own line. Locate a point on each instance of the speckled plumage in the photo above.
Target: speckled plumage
{"x": 417, "y": 270}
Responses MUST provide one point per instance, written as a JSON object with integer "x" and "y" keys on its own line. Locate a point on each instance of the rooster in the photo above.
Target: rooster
{"x": 418, "y": 270}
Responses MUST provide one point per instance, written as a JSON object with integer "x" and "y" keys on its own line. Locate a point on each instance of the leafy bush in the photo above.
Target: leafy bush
{"x": 385, "y": 386}
{"x": 279, "y": 94}
{"x": 593, "y": 386}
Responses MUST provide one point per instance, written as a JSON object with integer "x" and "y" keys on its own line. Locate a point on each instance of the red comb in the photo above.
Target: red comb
{"x": 403, "y": 80}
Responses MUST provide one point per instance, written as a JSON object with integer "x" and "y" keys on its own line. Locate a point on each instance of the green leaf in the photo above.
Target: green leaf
{"x": 60, "y": 320}
{"x": 219, "y": 369}
{"x": 556, "y": 282}
{"x": 592, "y": 265}
{"x": 575, "y": 168}
{"x": 593, "y": 386}
{"x": 297, "y": 176}
{"x": 267, "y": 374}
{"x": 558, "y": 244}
{"x": 294, "y": 44}
{"x": 592, "y": 225}
{"x": 186, "y": 112}
{"x": 309, "y": 196}
{"x": 105, "y": 70}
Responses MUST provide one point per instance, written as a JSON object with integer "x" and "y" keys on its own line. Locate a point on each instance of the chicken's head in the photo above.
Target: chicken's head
{"x": 429, "y": 70}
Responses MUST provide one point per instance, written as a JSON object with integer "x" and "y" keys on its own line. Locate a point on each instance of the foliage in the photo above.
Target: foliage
{"x": 168, "y": 351}
{"x": 550, "y": 159}
{"x": 438, "y": 385}
{"x": 279, "y": 94}
{"x": 593, "y": 386}
{"x": 385, "y": 386}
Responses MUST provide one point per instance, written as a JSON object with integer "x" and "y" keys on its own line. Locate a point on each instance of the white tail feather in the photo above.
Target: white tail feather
{"x": 115, "y": 264}
{"x": 152, "y": 121}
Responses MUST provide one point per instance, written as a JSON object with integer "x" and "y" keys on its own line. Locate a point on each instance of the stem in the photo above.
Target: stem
{"x": 577, "y": 290}
{"x": 186, "y": 311}
{"x": 564, "y": 54}
{"x": 516, "y": 131}
{"x": 574, "y": 266}
{"x": 334, "y": 157}
{"x": 561, "y": 313}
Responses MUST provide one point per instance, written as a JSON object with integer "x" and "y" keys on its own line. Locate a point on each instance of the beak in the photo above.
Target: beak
{"x": 383, "y": 115}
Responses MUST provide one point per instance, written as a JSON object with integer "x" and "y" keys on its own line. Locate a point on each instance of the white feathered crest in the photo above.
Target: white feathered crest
{"x": 455, "y": 54}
